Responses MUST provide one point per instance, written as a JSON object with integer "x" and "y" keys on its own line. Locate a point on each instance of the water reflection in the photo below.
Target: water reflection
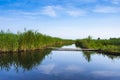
{"x": 29, "y": 60}
{"x": 112, "y": 57}
{"x": 26, "y": 61}
{"x": 59, "y": 65}
{"x": 87, "y": 55}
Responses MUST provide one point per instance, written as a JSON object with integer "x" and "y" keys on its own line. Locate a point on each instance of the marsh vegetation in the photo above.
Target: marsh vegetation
{"x": 111, "y": 45}
{"x": 27, "y": 40}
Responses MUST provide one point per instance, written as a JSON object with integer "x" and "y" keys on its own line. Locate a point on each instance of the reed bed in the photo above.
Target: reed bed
{"x": 27, "y": 40}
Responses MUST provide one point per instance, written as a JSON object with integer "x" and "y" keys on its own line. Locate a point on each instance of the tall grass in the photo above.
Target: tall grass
{"x": 28, "y": 40}
{"x": 108, "y": 45}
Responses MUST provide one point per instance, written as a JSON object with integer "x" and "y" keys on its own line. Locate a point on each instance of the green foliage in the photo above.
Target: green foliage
{"x": 109, "y": 45}
{"x": 28, "y": 40}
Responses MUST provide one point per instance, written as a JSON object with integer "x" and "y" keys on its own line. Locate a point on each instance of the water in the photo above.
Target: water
{"x": 59, "y": 65}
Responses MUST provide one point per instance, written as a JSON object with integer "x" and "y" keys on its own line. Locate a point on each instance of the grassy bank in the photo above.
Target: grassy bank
{"x": 28, "y": 40}
{"x": 111, "y": 45}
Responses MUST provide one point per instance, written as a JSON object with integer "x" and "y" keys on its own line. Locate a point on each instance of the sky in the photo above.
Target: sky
{"x": 70, "y": 19}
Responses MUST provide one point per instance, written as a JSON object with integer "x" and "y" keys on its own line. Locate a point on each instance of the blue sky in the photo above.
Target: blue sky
{"x": 62, "y": 18}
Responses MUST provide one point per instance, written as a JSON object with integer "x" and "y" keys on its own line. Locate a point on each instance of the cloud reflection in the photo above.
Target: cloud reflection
{"x": 46, "y": 69}
{"x": 106, "y": 73}
{"x": 74, "y": 68}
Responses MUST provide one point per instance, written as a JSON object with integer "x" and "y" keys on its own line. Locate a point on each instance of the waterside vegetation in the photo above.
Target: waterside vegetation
{"x": 27, "y": 40}
{"x": 111, "y": 45}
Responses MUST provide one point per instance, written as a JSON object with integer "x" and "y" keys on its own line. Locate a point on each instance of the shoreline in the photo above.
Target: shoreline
{"x": 19, "y": 51}
{"x": 37, "y": 49}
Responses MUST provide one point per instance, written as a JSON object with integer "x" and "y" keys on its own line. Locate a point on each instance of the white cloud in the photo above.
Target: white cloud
{"x": 76, "y": 13}
{"x": 54, "y": 11}
{"x": 49, "y": 10}
{"x": 106, "y": 9}
{"x": 115, "y": 1}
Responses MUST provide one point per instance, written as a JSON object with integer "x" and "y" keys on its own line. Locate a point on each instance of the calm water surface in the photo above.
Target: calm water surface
{"x": 59, "y": 65}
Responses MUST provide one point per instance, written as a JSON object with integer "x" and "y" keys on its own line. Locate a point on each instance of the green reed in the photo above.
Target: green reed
{"x": 27, "y": 40}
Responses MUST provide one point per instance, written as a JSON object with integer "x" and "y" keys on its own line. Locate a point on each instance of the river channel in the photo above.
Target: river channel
{"x": 59, "y": 65}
